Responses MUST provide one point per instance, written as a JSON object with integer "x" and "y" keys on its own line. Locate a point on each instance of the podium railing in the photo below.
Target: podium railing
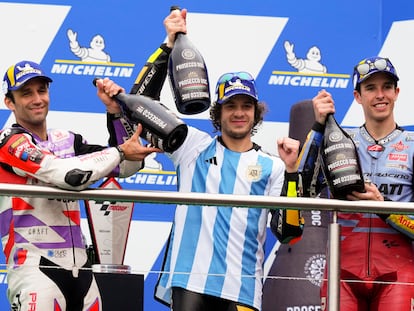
{"x": 171, "y": 197}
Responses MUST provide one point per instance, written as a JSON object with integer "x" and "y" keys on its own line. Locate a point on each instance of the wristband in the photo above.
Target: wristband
{"x": 318, "y": 127}
{"x": 114, "y": 116}
{"x": 165, "y": 48}
{"x": 121, "y": 153}
{"x": 292, "y": 176}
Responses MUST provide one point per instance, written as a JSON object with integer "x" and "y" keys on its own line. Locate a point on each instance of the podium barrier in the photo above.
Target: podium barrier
{"x": 170, "y": 197}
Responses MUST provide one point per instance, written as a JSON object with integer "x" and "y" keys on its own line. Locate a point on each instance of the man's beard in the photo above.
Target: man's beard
{"x": 238, "y": 135}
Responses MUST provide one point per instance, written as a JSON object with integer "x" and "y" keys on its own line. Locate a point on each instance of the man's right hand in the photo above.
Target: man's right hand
{"x": 175, "y": 22}
{"x": 106, "y": 90}
{"x": 323, "y": 104}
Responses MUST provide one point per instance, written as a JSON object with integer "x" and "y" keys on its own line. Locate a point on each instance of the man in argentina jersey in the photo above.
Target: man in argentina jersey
{"x": 218, "y": 251}
{"x": 215, "y": 254}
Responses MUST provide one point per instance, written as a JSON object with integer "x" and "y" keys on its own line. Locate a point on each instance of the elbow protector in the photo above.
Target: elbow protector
{"x": 287, "y": 224}
{"x": 77, "y": 177}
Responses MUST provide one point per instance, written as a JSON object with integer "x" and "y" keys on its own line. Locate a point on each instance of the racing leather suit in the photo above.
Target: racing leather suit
{"x": 42, "y": 239}
{"x": 375, "y": 249}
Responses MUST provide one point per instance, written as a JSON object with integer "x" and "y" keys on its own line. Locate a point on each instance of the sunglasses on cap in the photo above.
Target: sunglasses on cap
{"x": 235, "y": 83}
{"x": 241, "y": 75}
{"x": 369, "y": 66}
{"x": 380, "y": 64}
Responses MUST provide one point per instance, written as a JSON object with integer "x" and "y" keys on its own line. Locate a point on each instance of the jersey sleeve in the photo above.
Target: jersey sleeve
{"x": 24, "y": 158}
{"x": 312, "y": 180}
{"x": 151, "y": 78}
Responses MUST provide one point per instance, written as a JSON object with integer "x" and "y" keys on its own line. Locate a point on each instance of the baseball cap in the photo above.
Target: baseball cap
{"x": 20, "y": 73}
{"x": 235, "y": 83}
{"x": 368, "y": 66}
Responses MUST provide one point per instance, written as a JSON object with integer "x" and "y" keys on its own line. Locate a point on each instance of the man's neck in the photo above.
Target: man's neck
{"x": 237, "y": 145}
{"x": 379, "y": 130}
{"x": 40, "y": 131}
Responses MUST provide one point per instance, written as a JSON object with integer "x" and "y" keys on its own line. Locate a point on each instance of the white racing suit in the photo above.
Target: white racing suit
{"x": 42, "y": 239}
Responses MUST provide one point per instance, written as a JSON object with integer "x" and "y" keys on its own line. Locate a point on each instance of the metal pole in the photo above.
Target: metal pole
{"x": 334, "y": 264}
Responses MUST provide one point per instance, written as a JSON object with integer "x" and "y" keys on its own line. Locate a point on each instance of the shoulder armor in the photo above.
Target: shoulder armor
{"x": 8, "y": 132}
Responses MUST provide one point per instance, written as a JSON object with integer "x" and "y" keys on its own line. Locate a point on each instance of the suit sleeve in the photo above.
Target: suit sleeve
{"x": 24, "y": 158}
{"x": 308, "y": 164}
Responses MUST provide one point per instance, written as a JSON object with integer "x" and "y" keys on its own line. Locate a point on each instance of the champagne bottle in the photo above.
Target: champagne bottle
{"x": 340, "y": 162}
{"x": 188, "y": 76}
{"x": 160, "y": 127}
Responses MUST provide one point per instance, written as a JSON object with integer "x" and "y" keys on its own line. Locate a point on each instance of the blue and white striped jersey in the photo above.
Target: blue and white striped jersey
{"x": 218, "y": 250}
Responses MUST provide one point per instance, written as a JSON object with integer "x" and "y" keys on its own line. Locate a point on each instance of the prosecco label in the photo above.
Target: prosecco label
{"x": 340, "y": 161}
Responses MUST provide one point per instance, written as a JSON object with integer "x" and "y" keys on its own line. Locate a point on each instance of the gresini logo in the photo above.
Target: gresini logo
{"x": 311, "y": 72}
{"x": 314, "y": 269}
{"x": 93, "y": 60}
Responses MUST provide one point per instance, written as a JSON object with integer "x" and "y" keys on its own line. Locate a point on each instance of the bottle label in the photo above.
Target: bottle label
{"x": 341, "y": 166}
{"x": 190, "y": 80}
{"x": 341, "y": 163}
{"x": 188, "y": 77}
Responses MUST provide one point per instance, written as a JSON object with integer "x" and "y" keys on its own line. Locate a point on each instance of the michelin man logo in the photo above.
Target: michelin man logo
{"x": 310, "y": 72}
{"x": 27, "y": 69}
{"x": 309, "y": 65}
{"x": 236, "y": 85}
{"x": 95, "y": 53}
{"x": 314, "y": 268}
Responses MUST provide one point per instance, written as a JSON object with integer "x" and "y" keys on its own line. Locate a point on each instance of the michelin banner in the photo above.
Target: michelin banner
{"x": 293, "y": 48}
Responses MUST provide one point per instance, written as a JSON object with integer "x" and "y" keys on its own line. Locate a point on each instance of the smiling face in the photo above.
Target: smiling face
{"x": 377, "y": 97}
{"x": 30, "y": 104}
{"x": 237, "y": 120}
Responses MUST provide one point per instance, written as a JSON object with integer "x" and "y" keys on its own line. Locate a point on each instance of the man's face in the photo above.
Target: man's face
{"x": 237, "y": 117}
{"x": 377, "y": 96}
{"x": 31, "y": 103}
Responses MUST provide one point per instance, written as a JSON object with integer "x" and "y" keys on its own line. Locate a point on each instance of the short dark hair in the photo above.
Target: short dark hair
{"x": 9, "y": 94}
